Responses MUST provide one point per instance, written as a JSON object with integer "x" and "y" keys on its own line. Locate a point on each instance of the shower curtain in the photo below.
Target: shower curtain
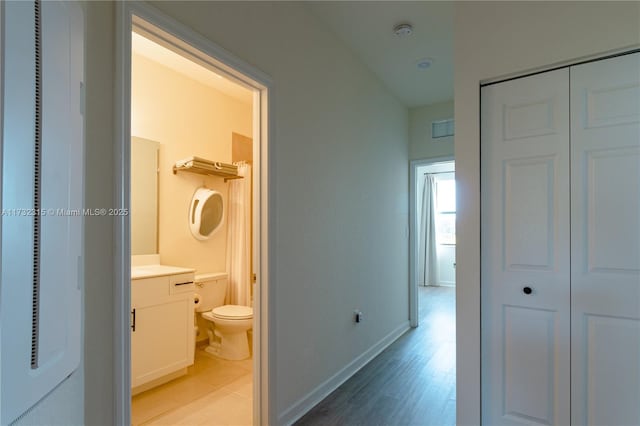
{"x": 239, "y": 238}
{"x": 427, "y": 257}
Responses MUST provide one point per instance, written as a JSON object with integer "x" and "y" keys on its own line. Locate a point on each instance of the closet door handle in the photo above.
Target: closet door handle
{"x": 527, "y": 290}
{"x": 133, "y": 319}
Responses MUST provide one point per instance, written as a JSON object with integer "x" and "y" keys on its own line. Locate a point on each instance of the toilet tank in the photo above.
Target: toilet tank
{"x": 211, "y": 289}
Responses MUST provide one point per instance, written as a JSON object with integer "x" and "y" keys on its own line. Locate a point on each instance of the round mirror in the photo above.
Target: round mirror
{"x": 206, "y": 213}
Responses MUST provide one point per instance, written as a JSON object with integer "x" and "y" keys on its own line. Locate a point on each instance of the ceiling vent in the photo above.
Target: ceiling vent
{"x": 442, "y": 128}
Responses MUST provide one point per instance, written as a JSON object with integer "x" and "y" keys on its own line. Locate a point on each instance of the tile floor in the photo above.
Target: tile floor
{"x": 213, "y": 392}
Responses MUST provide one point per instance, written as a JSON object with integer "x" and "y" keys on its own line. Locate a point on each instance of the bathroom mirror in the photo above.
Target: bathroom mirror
{"x": 206, "y": 213}
{"x": 144, "y": 196}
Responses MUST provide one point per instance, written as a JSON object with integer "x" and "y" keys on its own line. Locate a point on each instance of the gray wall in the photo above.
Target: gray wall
{"x": 421, "y": 144}
{"x": 100, "y": 231}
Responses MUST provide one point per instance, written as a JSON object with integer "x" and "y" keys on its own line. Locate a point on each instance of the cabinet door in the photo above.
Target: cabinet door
{"x": 163, "y": 339}
{"x": 605, "y": 246}
{"x": 525, "y": 251}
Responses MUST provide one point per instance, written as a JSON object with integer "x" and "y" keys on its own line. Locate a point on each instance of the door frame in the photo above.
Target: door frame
{"x": 183, "y": 39}
{"x": 413, "y": 233}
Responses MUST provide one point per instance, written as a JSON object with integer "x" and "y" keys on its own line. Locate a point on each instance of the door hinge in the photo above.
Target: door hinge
{"x": 254, "y": 278}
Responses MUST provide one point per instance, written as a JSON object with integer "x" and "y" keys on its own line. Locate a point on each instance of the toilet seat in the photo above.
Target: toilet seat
{"x": 228, "y": 331}
{"x": 232, "y": 312}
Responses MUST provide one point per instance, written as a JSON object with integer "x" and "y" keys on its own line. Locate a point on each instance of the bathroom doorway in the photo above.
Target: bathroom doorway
{"x": 194, "y": 145}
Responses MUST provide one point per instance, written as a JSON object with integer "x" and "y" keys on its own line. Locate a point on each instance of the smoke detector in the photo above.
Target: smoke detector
{"x": 403, "y": 30}
{"x": 424, "y": 63}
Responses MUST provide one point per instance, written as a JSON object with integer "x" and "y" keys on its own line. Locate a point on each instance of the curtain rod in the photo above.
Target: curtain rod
{"x": 438, "y": 173}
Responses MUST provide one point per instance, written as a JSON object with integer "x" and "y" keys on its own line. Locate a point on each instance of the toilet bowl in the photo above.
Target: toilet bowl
{"x": 227, "y": 324}
{"x": 228, "y": 339}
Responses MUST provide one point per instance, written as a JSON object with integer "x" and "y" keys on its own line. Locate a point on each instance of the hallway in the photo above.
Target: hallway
{"x": 412, "y": 382}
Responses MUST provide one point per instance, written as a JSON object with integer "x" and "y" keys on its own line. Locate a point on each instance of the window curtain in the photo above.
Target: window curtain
{"x": 239, "y": 238}
{"x": 427, "y": 257}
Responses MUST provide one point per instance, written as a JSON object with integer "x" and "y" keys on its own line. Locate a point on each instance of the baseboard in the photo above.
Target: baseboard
{"x": 310, "y": 400}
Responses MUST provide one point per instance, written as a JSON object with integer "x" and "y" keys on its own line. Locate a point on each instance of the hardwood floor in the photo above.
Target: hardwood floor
{"x": 411, "y": 383}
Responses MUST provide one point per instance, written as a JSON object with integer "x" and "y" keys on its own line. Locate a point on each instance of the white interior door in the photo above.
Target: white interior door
{"x": 446, "y": 264}
{"x": 525, "y": 251}
{"x": 605, "y": 247}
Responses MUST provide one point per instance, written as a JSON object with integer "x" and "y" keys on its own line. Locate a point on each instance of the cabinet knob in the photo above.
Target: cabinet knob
{"x": 527, "y": 290}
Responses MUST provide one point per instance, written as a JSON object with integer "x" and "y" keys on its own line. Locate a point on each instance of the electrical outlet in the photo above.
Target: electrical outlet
{"x": 358, "y": 316}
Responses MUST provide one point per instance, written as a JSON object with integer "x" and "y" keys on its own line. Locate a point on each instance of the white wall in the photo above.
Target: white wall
{"x": 100, "y": 236}
{"x": 494, "y": 39}
{"x": 421, "y": 144}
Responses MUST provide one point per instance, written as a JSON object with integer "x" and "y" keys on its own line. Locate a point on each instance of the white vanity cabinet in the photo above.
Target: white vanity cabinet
{"x": 162, "y": 331}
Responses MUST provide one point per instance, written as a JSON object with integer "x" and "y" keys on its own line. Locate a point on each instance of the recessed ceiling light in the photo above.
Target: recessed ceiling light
{"x": 424, "y": 63}
{"x": 403, "y": 30}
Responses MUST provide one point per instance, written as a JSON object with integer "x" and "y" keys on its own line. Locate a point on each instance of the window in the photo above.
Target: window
{"x": 446, "y": 210}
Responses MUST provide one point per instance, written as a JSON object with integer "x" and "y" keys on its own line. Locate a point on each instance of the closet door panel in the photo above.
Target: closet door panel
{"x": 525, "y": 245}
{"x": 605, "y": 227}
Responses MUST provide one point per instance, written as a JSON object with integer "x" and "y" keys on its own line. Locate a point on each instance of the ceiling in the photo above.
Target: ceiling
{"x": 367, "y": 28}
{"x": 168, "y": 58}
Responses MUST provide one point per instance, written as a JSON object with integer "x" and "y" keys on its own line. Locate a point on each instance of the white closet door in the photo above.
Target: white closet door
{"x": 605, "y": 227}
{"x": 525, "y": 246}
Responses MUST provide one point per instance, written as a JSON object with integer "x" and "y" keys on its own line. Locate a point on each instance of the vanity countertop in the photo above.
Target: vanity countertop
{"x": 149, "y": 271}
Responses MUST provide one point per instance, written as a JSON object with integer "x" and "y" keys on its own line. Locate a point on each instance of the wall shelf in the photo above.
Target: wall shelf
{"x": 205, "y": 167}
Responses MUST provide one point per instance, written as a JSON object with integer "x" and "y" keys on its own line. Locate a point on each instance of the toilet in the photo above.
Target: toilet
{"x": 228, "y": 324}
